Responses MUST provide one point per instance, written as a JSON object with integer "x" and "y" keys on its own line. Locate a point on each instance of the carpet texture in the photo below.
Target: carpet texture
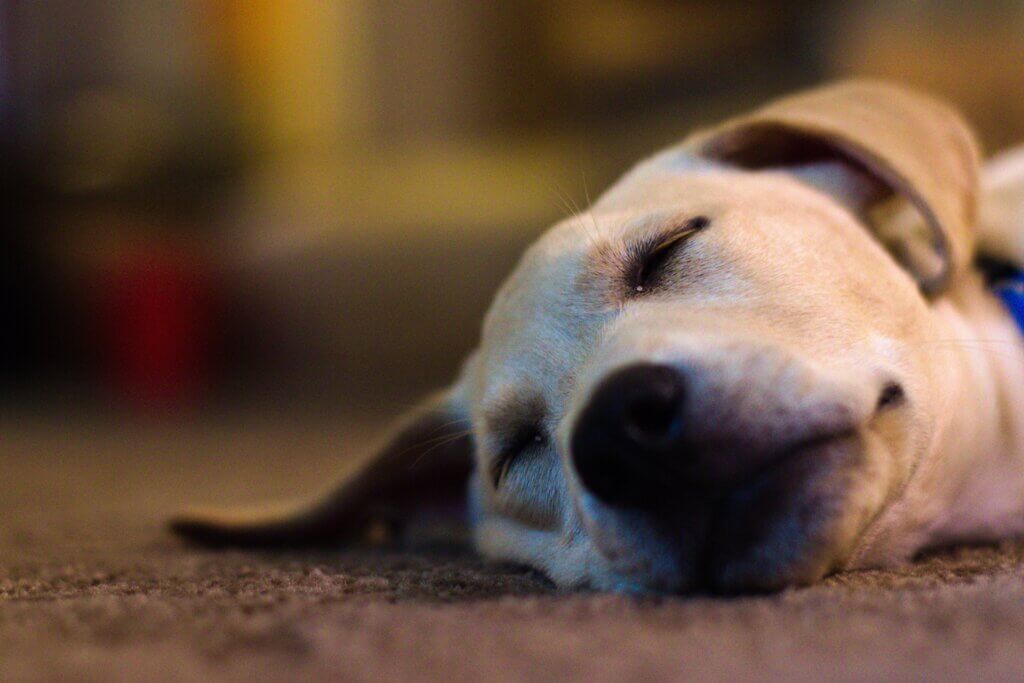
{"x": 92, "y": 588}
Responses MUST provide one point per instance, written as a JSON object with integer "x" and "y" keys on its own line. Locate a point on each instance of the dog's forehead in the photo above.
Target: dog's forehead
{"x": 769, "y": 227}
{"x": 540, "y": 318}
{"x": 545, "y": 316}
{"x": 541, "y": 283}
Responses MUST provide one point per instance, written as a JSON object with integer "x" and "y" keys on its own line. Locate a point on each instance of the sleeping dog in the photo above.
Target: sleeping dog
{"x": 763, "y": 356}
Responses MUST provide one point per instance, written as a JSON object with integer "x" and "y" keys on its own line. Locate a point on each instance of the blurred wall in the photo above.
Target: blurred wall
{"x": 308, "y": 201}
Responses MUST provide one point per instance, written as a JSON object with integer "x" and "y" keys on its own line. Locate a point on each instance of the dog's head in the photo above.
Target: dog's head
{"x": 713, "y": 377}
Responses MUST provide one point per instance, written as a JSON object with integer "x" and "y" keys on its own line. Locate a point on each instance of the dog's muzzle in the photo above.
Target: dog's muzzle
{"x": 645, "y": 445}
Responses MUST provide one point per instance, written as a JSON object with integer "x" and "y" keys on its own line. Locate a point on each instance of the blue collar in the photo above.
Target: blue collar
{"x": 1011, "y": 291}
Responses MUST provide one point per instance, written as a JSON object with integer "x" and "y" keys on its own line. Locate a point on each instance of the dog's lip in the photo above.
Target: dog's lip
{"x": 637, "y": 547}
{"x": 628, "y": 559}
{"x": 802, "y": 465}
{"x": 796, "y": 450}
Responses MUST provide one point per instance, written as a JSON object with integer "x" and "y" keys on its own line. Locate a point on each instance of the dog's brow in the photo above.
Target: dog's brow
{"x": 614, "y": 266}
{"x": 513, "y": 409}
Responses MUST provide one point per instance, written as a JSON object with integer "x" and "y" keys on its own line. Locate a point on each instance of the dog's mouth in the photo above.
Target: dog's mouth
{"x": 781, "y": 526}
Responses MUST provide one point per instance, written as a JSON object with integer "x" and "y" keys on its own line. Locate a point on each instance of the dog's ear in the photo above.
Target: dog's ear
{"x": 892, "y": 141}
{"x": 425, "y": 463}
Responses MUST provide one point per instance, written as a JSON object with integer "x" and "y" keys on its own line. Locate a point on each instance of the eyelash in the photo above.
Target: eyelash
{"x": 524, "y": 440}
{"x": 651, "y": 254}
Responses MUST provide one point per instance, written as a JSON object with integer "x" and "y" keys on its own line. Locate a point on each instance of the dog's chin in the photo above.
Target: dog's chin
{"x": 790, "y": 525}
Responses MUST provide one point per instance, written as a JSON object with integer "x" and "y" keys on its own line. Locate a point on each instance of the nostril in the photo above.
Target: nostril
{"x": 654, "y": 417}
{"x": 625, "y": 438}
{"x": 892, "y": 395}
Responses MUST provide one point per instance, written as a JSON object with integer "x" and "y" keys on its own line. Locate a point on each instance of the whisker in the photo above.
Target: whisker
{"x": 563, "y": 199}
{"x": 573, "y": 210}
{"x": 993, "y": 345}
{"x": 1012, "y": 342}
{"x": 578, "y": 212}
{"x": 451, "y": 438}
{"x": 431, "y": 441}
{"x": 590, "y": 205}
{"x": 449, "y": 423}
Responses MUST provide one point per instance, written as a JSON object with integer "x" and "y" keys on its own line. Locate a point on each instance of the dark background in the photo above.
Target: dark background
{"x": 304, "y": 205}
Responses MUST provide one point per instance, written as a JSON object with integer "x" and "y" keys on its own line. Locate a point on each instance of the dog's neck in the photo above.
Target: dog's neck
{"x": 976, "y": 461}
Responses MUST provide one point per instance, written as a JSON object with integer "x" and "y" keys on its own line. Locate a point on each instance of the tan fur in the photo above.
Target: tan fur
{"x": 796, "y": 315}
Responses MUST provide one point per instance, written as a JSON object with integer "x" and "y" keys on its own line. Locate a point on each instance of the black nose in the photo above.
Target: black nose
{"x": 625, "y": 440}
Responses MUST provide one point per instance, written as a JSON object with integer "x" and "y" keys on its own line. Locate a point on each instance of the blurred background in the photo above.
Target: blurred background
{"x": 307, "y": 204}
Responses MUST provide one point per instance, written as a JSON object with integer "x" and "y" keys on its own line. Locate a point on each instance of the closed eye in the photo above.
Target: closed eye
{"x": 648, "y": 258}
{"x": 525, "y": 439}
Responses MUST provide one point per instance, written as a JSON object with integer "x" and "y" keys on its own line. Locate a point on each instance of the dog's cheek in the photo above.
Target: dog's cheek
{"x": 501, "y": 540}
{"x": 534, "y": 492}
{"x": 799, "y": 522}
{"x": 872, "y": 491}
{"x": 887, "y": 533}
{"x": 475, "y": 493}
{"x": 568, "y": 559}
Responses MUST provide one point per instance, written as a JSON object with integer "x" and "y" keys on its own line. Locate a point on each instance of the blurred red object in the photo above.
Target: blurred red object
{"x": 156, "y": 317}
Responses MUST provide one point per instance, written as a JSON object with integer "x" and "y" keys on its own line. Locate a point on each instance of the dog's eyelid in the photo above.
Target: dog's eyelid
{"x": 526, "y": 437}
{"x": 652, "y": 254}
{"x": 680, "y": 233}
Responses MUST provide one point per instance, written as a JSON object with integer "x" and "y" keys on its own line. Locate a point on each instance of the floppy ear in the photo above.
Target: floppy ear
{"x": 893, "y": 141}
{"x": 426, "y": 462}
{"x": 1001, "y": 219}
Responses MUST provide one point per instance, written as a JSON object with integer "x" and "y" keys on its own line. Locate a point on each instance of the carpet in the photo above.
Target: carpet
{"x": 92, "y": 587}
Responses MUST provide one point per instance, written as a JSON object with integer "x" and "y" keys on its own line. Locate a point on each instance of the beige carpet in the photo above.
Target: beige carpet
{"x": 91, "y": 588}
